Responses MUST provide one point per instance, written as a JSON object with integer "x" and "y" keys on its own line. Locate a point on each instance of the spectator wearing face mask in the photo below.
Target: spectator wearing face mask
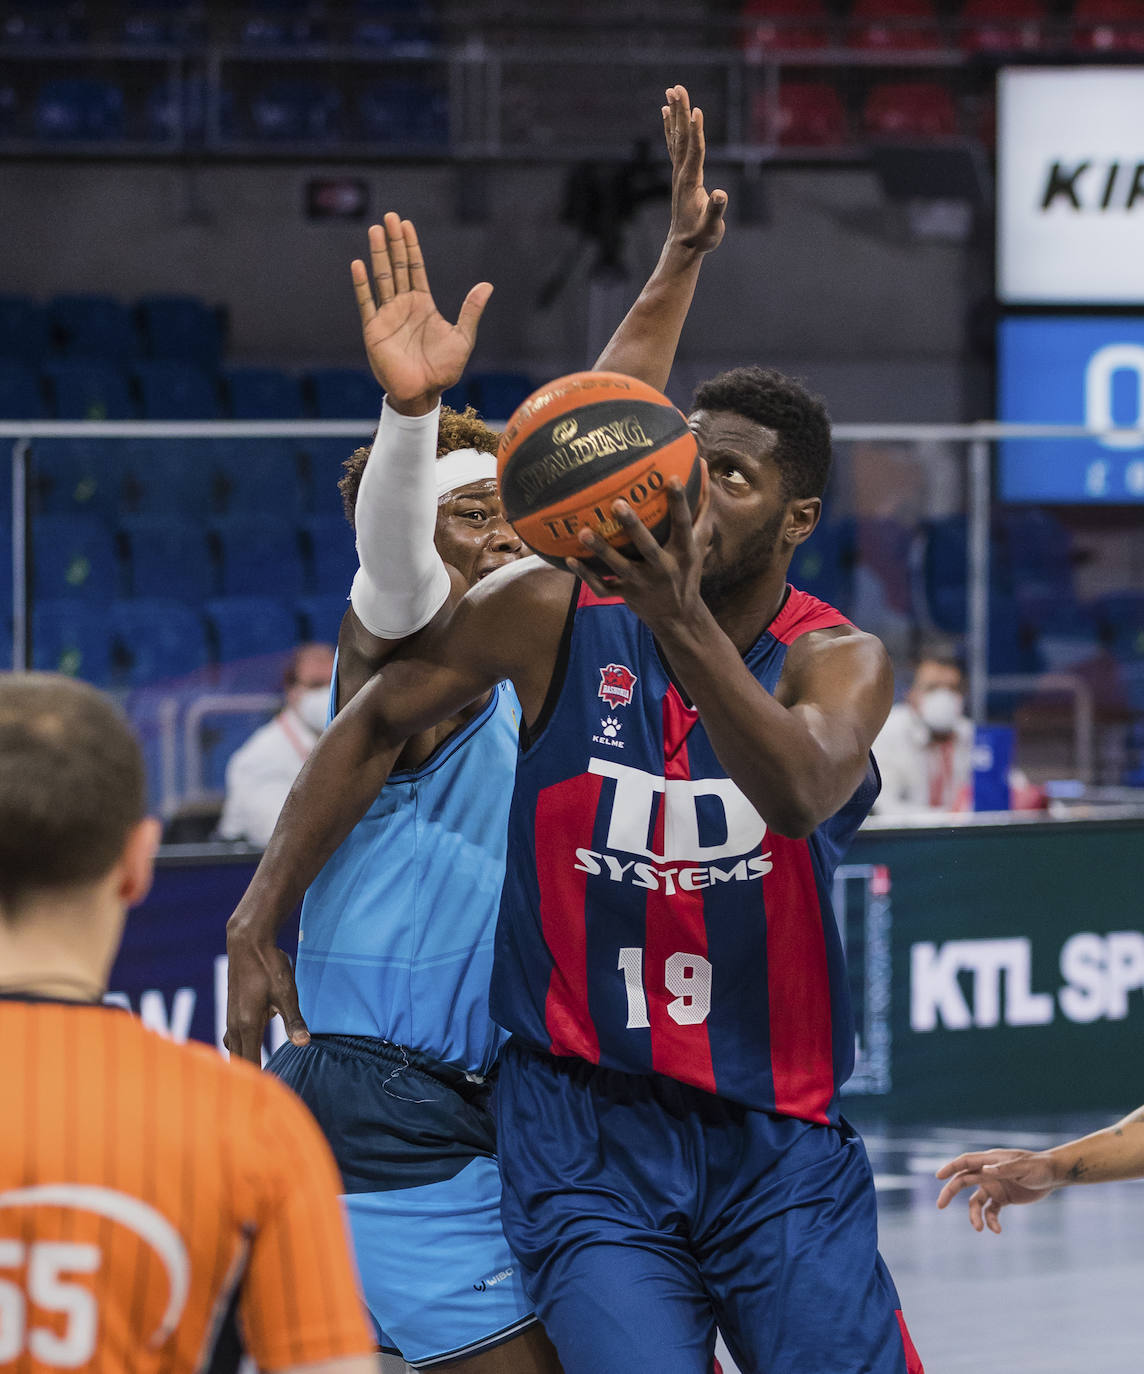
{"x": 261, "y": 771}
{"x": 925, "y": 750}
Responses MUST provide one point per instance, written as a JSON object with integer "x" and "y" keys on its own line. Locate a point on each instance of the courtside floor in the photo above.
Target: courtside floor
{"x": 1060, "y": 1291}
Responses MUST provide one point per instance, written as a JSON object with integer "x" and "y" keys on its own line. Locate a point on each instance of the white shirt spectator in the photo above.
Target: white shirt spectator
{"x": 925, "y": 750}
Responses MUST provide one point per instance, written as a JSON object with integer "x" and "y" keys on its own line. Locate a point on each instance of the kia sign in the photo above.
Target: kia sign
{"x": 1070, "y": 185}
{"x": 1075, "y": 370}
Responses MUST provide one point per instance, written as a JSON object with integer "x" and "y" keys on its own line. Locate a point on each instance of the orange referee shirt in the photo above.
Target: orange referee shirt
{"x": 148, "y": 1191}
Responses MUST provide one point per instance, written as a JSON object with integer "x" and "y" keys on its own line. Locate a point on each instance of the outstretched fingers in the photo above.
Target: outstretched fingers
{"x": 398, "y": 253}
{"x": 362, "y": 292}
{"x": 379, "y": 264}
{"x": 472, "y": 308}
{"x": 418, "y": 281}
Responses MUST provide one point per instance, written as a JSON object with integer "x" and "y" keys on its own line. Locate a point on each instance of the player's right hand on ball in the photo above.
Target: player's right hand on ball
{"x": 260, "y": 983}
{"x": 999, "y": 1178}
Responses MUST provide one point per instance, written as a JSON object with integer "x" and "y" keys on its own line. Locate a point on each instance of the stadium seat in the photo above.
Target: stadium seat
{"x": 894, "y": 25}
{"x": 85, "y": 390}
{"x": 182, "y": 328}
{"x": 172, "y": 390}
{"x": 1108, "y": 26}
{"x": 1002, "y": 25}
{"x": 70, "y": 636}
{"x": 1066, "y": 633}
{"x": 783, "y": 25}
{"x": 1120, "y": 617}
{"x": 404, "y": 112}
{"x": 176, "y": 111}
{"x": 167, "y": 557}
{"x": 295, "y": 111}
{"x": 24, "y": 335}
{"x": 321, "y": 615}
{"x": 883, "y": 546}
{"x": 909, "y": 109}
{"x": 93, "y": 327}
{"x": 497, "y": 394}
{"x": 810, "y": 115}
{"x": 20, "y": 394}
{"x": 321, "y": 466}
{"x": 252, "y": 636}
{"x": 332, "y": 554}
{"x": 345, "y": 394}
{"x": 824, "y": 566}
{"x": 263, "y": 393}
{"x": 1039, "y": 552}
{"x": 80, "y": 110}
{"x": 173, "y": 478}
{"x": 258, "y": 477}
{"x": 154, "y": 639}
{"x": 259, "y": 556}
{"x": 74, "y": 558}
{"x": 459, "y": 396}
{"x": 78, "y": 476}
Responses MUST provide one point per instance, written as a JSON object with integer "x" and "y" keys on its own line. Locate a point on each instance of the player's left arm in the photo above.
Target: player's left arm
{"x": 644, "y": 344}
{"x": 797, "y": 755}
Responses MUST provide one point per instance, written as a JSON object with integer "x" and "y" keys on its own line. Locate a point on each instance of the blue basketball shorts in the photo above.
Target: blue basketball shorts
{"x": 415, "y": 1143}
{"x": 644, "y": 1213}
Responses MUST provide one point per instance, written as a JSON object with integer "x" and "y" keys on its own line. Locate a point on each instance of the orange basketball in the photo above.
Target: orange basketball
{"x": 578, "y": 444}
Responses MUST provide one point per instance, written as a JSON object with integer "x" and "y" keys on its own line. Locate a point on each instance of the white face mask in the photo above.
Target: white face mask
{"x": 311, "y": 707}
{"x": 941, "y": 708}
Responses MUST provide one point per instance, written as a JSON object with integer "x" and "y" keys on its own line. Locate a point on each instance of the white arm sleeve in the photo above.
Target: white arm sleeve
{"x": 402, "y": 582}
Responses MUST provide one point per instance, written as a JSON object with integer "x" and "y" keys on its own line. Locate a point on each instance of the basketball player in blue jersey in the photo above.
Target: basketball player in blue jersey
{"x": 395, "y": 947}
{"x": 695, "y": 759}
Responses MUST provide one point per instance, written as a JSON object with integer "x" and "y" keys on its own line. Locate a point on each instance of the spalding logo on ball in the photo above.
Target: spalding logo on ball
{"x": 582, "y": 442}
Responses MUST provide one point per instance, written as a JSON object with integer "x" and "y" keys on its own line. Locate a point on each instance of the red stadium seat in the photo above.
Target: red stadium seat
{"x": 1003, "y": 25}
{"x": 1108, "y": 26}
{"x": 778, "y": 25}
{"x": 810, "y": 115}
{"x": 894, "y": 25}
{"x": 909, "y": 109}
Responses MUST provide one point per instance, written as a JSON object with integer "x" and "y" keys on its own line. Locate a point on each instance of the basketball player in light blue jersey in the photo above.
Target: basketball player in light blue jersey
{"x": 396, "y": 1045}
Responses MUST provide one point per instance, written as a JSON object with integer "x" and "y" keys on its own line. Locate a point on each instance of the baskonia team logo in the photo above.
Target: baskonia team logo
{"x": 617, "y": 684}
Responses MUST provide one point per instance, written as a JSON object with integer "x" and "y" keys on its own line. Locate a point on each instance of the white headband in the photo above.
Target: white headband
{"x": 462, "y": 467}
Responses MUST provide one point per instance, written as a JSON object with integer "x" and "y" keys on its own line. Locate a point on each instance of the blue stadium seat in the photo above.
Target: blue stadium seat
{"x": 20, "y": 395}
{"x": 182, "y": 328}
{"x": 322, "y": 469}
{"x": 824, "y": 565}
{"x": 75, "y": 476}
{"x": 258, "y": 477}
{"x": 74, "y": 558}
{"x": 322, "y": 614}
{"x": 1120, "y": 616}
{"x": 404, "y": 112}
{"x": 89, "y": 391}
{"x": 95, "y": 327}
{"x": 332, "y": 553}
{"x": 24, "y": 335}
{"x": 169, "y": 477}
{"x": 341, "y": 393}
{"x": 1039, "y": 553}
{"x": 176, "y": 111}
{"x": 71, "y": 637}
{"x": 460, "y": 396}
{"x": 497, "y": 394}
{"x": 79, "y": 109}
{"x": 173, "y": 390}
{"x": 259, "y": 556}
{"x": 263, "y": 393}
{"x": 253, "y": 636}
{"x": 167, "y": 557}
{"x": 154, "y": 639}
{"x": 295, "y": 111}
{"x": 222, "y": 735}
{"x": 1066, "y": 633}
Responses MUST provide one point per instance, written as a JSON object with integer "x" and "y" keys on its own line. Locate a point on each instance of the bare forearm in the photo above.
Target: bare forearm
{"x": 337, "y": 785}
{"x": 645, "y": 343}
{"x": 768, "y": 750}
{"x": 1117, "y": 1152}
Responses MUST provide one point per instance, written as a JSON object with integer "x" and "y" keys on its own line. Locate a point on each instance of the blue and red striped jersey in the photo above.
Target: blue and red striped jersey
{"x": 649, "y": 920}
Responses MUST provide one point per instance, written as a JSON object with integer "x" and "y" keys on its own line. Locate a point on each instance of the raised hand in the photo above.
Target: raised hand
{"x": 661, "y": 584}
{"x": 696, "y": 216}
{"x": 999, "y": 1178}
{"x": 413, "y": 351}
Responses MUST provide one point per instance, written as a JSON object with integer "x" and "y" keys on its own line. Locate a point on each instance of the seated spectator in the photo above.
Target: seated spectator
{"x": 260, "y": 773}
{"x": 925, "y": 750}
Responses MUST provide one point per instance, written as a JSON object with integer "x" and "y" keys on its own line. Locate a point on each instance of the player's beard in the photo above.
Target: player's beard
{"x": 720, "y": 584}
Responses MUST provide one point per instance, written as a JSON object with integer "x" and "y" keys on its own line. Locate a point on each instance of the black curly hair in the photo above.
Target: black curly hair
{"x": 783, "y": 404}
{"x": 456, "y": 429}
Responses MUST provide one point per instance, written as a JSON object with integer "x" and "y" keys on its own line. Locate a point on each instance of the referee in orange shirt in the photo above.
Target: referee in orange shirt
{"x": 160, "y": 1209}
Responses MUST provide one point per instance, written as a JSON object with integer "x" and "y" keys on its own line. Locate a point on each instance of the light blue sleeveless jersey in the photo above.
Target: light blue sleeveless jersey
{"x": 396, "y": 938}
